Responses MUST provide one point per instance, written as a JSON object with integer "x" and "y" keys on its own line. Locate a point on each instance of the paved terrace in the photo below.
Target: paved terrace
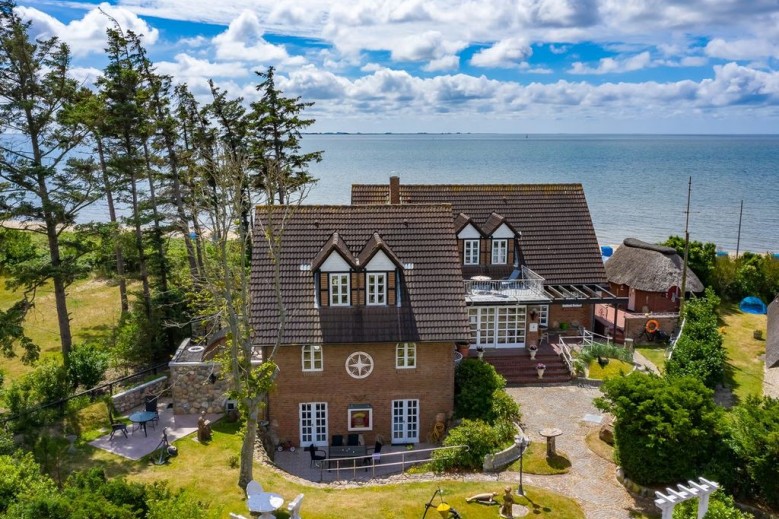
{"x": 138, "y": 445}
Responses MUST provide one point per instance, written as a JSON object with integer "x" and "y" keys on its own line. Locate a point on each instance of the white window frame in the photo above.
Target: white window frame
{"x": 313, "y": 424}
{"x": 543, "y": 316}
{"x": 471, "y": 252}
{"x": 406, "y": 355}
{"x": 500, "y": 252}
{"x": 339, "y": 289}
{"x": 377, "y": 289}
{"x": 498, "y": 326}
{"x": 311, "y": 357}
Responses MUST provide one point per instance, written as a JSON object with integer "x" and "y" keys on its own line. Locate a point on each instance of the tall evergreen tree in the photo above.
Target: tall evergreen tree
{"x": 274, "y": 134}
{"x": 41, "y": 181}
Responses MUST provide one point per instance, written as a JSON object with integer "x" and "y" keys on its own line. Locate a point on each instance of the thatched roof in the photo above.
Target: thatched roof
{"x": 648, "y": 267}
{"x": 772, "y": 337}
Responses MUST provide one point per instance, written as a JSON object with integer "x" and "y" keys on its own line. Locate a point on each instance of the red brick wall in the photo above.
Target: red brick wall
{"x": 570, "y": 315}
{"x": 655, "y": 301}
{"x": 431, "y": 382}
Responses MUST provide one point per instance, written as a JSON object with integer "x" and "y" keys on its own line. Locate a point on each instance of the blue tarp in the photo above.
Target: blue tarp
{"x": 752, "y": 305}
{"x": 606, "y": 251}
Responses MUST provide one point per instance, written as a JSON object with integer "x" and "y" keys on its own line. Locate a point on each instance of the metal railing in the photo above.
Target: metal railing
{"x": 565, "y": 353}
{"x": 91, "y": 393}
{"x": 371, "y": 461}
{"x": 529, "y": 282}
{"x": 674, "y": 340}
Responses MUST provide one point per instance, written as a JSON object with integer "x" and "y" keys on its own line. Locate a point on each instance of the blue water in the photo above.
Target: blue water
{"x": 635, "y": 185}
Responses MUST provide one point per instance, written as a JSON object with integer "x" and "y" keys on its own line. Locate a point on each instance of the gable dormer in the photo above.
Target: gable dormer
{"x": 334, "y": 268}
{"x": 380, "y": 280}
{"x": 470, "y": 240}
{"x": 502, "y": 240}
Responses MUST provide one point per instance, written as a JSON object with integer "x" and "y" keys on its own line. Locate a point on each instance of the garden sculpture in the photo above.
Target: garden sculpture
{"x": 488, "y": 498}
{"x": 507, "y": 508}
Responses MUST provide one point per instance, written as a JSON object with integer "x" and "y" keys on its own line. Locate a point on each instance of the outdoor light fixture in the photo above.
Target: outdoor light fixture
{"x": 522, "y": 443}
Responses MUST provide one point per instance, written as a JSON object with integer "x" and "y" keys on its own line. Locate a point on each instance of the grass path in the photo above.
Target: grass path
{"x": 744, "y": 372}
{"x": 94, "y": 309}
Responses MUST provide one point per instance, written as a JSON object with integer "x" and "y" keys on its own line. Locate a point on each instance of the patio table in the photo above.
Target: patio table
{"x": 264, "y": 503}
{"x": 141, "y": 418}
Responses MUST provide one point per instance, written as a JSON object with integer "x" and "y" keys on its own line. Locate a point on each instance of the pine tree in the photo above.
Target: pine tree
{"x": 41, "y": 181}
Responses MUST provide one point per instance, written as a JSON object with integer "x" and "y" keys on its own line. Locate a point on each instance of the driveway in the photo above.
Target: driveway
{"x": 591, "y": 481}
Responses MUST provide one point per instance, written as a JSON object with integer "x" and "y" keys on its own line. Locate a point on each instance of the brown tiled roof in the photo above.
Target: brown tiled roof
{"x": 558, "y": 240}
{"x": 433, "y": 301}
{"x": 374, "y": 245}
{"x": 334, "y": 243}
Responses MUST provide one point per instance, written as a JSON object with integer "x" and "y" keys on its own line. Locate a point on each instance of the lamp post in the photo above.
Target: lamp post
{"x": 521, "y": 442}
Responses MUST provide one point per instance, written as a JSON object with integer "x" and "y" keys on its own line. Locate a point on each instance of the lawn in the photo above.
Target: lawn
{"x": 656, "y": 354}
{"x": 93, "y": 305}
{"x": 536, "y": 462}
{"x": 744, "y": 372}
{"x": 598, "y": 446}
{"x": 206, "y": 473}
{"x": 615, "y": 367}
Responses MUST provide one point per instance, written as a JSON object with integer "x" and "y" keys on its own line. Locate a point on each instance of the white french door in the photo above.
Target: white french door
{"x": 498, "y": 326}
{"x": 405, "y": 421}
{"x": 313, "y": 424}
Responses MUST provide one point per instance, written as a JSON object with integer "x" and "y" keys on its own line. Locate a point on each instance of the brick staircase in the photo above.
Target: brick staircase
{"x": 518, "y": 369}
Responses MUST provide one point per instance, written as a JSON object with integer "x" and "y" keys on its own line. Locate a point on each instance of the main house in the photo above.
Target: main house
{"x": 379, "y": 293}
{"x": 530, "y": 258}
{"x": 375, "y": 307}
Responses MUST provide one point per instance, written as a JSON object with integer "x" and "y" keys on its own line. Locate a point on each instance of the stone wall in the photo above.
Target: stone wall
{"x": 135, "y": 397}
{"x": 193, "y": 390}
{"x": 635, "y": 324}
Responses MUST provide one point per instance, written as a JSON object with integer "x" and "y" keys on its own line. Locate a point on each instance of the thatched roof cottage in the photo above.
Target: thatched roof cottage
{"x": 649, "y": 275}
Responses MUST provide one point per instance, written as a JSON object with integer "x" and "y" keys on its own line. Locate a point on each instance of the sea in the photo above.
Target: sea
{"x": 636, "y": 185}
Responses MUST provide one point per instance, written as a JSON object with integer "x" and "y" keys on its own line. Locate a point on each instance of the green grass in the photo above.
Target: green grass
{"x": 598, "y": 446}
{"x": 204, "y": 472}
{"x": 614, "y": 368}
{"x": 656, "y": 354}
{"x": 94, "y": 309}
{"x": 744, "y": 372}
{"x": 536, "y": 462}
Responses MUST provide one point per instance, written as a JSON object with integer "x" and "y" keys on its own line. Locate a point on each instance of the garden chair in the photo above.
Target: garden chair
{"x": 116, "y": 426}
{"x": 375, "y": 455}
{"x": 151, "y": 407}
{"x": 352, "y": 440}
{"x": 316, "y": 457}
{"x": 253, "y": 488}
{"x": 338, "y": 440}
{"x": 294, "y": 507}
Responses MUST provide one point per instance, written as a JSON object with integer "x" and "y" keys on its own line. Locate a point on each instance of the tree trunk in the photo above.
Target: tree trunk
{"x": 139, "y": 233}
{"x": 249, "y": 442}
{"x": 117, "y": 240}
{"x": 157, "y": 231}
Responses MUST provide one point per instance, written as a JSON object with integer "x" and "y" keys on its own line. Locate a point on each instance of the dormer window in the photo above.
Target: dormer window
{"x": 377, "y": 289}
{"x": 471, "y": 252}
{"x": 499, "y": 252}
{"x": 339, "y": 289}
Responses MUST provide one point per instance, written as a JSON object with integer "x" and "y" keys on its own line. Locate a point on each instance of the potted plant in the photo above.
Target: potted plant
{"x": 533, "y": 349}
{"x": 540, "y": 368}
{"x": 480, "y": 352}
{"x": 463, "y": 348}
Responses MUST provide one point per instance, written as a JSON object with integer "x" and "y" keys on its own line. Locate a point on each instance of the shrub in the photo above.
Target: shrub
{"x": 479, "y": 436}
{"x": 666, "y": 430}
{"x": 21, "y": 479}
{"x": 474, "y": 384}
{"x": 699, "y": 351}
{"x": 87, "y": 365}
{"x": 753, "y": 438}
{"x": 47, "y": 383}
{"x": 721, "y": 506}
{"x": 592, "y": 352}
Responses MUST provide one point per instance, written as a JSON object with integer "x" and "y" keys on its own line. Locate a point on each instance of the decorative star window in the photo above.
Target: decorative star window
{"x": 359, "y": 364}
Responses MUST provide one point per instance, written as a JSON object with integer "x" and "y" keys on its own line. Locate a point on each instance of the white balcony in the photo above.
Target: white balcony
{"x": 527, "y": 287}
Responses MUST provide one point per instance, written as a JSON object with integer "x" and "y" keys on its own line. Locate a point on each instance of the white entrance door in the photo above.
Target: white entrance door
{"x": 313, "y": 424}
{"x": 405, "y": 421}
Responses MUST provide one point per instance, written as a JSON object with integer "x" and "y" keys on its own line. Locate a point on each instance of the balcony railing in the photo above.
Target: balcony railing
{"x": 529, "y": 285}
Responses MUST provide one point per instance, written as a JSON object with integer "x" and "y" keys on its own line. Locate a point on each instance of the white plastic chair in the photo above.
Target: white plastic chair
{"x": 294, "y": 507}
{"x": 253, "y": 488}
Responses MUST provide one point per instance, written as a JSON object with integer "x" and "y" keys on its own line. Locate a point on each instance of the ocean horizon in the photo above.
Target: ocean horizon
{"x": 635, "y": 184}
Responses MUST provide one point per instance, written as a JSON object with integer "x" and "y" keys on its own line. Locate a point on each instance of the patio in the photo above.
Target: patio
{"x": 395, "y": 459}
{"x": 138, "y": 445}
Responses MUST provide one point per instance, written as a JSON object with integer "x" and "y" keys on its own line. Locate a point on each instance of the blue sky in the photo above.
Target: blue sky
{"x": 506, "y": 66}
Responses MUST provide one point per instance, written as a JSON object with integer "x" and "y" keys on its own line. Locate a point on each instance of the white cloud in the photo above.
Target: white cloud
{"x": 88, "y": 34}
{"x": 745, "y": 49}
{"x": 612, "y": 65}
{"x": 243, "y": 40}
{"x": 504, "y": 54}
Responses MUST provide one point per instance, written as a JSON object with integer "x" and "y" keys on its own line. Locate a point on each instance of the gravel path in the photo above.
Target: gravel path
{"x": 591, "y": 481}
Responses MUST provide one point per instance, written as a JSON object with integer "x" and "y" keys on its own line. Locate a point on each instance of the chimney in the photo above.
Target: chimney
{"x": 394, "y": 190}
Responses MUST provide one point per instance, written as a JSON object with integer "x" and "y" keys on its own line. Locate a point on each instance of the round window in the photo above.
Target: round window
{"x": 359, "y": 364}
